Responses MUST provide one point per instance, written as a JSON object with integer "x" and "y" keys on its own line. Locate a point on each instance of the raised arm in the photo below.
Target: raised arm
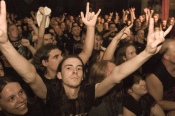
{"x": 128, "y": 67}
{"x": 109, "y": 52}
{"x": 18, "y": 62}
{"x": 26, "y": 42}
{"x": 35, "y": 29}
{"x": 89, "y": 20}
{"x": 41, "y": 28}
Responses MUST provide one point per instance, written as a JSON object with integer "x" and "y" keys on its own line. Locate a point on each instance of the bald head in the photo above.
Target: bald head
{"x": 167, "y": 45}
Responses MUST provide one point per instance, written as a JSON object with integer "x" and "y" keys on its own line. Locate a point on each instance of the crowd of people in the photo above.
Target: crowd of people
{"x": 87, "y": 65}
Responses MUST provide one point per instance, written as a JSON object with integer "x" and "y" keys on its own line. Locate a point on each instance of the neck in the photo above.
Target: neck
{"x": 50, "y": 74}
{"x": 136, "y": 97}
{"x": 140, "y": 40}
{"x": 71, "y": 92}
{"x": 76, "y": 37}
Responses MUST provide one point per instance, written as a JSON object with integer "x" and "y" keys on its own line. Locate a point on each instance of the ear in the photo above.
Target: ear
{"x": 130, "y": 90}
{"x": 124, "y": 58}
{"x": 59, "y": 76}
{"x": 44, "y": 62}
{"x": 166, "y": 57}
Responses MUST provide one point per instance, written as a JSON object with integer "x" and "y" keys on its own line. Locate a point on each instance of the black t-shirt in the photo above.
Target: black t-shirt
{"x": 73, "y": 46}
{"x": 141, "y": 108}
{"x": 49, "y": 82}
{"x": 36, "y": 109}
{"x": 167, "y": 81}
{"x": 108, "y": 39}
{"x": 55, "y": 96}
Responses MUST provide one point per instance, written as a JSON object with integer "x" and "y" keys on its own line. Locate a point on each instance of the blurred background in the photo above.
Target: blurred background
{"x": 23, "y": 7}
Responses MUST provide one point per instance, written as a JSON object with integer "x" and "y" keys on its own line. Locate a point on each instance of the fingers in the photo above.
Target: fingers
{"x": 87, "y": 9}
{"x": 3, "y": 9}
{"x": 98, "y": 12}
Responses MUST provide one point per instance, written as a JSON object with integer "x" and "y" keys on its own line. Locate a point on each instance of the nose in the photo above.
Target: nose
{"x": 75, "y": 70}
{"x": 20, "y": 99}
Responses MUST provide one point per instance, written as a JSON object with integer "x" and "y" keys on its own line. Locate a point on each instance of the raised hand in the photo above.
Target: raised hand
{"x": 41, "y": 9}
{"x": 154, "y": 39}
{"x": 30, "y": 21}
{"x": 3, "y": 22}
{"x": 25, "y": 42}
{"x": 90, "y": 18}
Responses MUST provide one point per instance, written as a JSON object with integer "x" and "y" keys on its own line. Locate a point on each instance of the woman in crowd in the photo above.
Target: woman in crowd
{"x": 136, "y": 100}
{"x": 13, "y": 99}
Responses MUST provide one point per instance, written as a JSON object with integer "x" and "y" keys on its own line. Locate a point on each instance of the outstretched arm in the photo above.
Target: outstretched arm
{"x": 89, "y": 20}
{"x": 109, "y": 52}
{"x": 128, "y": 67}
{"x": 18, "y": 62}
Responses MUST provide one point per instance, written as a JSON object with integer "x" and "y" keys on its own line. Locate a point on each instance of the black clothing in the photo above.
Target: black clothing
{"x": 167, "y": 81}
{"x": 141, "y": 108}
{"x": 139, "y": 46}
{"x": 56, "y": 101}
{"x": 108, "y": 39}
{"x": 73, "y": 46}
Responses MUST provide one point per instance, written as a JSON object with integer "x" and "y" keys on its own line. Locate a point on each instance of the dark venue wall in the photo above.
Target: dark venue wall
{"x": 23, "y": 7}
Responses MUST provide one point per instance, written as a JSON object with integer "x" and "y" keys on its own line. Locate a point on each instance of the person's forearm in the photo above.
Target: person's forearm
{"x": 88, "y": 44}
{"x": 18, "y": 62}
{"x": 167, "y": 105}
{"x": 107, "y": 34}
{"x": 109, "y": 52}
{"x": 130, "y": 66}
{"x": 32, "y": 49}
{"x": 42, "y": 27}
{"x": 35, "y": 29}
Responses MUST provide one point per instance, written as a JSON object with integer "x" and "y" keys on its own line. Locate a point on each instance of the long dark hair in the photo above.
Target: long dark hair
{"x": 66, "y": 107}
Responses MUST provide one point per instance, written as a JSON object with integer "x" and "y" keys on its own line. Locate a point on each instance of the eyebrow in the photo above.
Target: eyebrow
{"x": 72, "y": 65}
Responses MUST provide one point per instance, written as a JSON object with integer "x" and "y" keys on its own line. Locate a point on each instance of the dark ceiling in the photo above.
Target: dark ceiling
{"x": 23, "y": 7}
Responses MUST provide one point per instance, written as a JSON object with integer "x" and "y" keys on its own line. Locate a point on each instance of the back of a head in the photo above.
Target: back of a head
{"x": 98, "y": 71}
{"x": 167, "y": 44}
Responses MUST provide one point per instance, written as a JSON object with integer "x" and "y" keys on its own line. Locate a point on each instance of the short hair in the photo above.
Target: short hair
{"x": 42, "y": 54}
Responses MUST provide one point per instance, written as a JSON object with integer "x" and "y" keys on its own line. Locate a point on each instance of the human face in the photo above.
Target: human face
{"x": 130, "y": 53}
{"x": 72, "y": 73}
{"x": 138, "y": 23}
{"x": 140, "y": 34}
{"x": 76, "y": 31}
{"x": 13, "y": 32}
{"x": 13, "y": 99}
{"x": 54, "y": 59}
{"x": 47, "y": 39}
{"x": 58, "y": 30}
{"x": 138, "y": 89}
{"x": 112, "y": 27}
